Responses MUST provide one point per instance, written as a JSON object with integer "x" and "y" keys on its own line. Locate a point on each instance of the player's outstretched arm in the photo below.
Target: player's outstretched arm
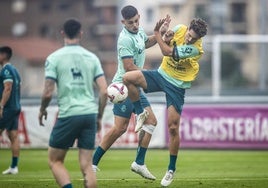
{"x": 150, "y": 42}
{"x": 152, "y": 39}
{"x": 165, "y": 26}
{"x": 165, "y": 49}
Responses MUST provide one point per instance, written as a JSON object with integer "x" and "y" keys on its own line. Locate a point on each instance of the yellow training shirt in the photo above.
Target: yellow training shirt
{"x": 186, "y": 67}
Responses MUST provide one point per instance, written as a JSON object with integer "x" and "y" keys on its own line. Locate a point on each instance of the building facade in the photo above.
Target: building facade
{"x": 101, "y": 24}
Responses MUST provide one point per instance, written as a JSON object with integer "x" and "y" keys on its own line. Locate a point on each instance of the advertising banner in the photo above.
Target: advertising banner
{"x": 32, "y": 135}
{"x": 201, "y": 126}
{"x": 225, "y": 126}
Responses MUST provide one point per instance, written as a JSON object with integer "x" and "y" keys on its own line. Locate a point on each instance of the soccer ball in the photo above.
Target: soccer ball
{"x": 117, "y": 92}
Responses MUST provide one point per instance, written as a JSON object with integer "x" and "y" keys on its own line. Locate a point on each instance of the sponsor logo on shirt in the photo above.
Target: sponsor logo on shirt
{"x": 77, "y": 73}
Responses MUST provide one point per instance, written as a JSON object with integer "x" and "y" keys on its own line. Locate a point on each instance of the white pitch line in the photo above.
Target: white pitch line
{"x": 192, "y": 179}
{"x": 140, "y": 179}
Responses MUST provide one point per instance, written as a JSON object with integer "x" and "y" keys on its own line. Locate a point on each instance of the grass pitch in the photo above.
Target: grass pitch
{"x": 196, "y": 168}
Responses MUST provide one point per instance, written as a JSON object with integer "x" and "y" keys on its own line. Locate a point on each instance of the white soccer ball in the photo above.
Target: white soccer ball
{"x": 117, "y": 92}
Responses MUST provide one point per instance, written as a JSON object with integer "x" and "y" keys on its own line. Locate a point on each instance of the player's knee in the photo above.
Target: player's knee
{"x": 154, "y": 121}
{"x": 173, "y": 130}
{"x": 130, "y": 78}
{"x": 54, "y": 164}
{"x": 13, "y": 136}
{"x": 151, "y": 121}
{"x": 54, "y": 161}
{"x": 51, "y": 164}
{"x": 126, "y": 79}
{"x": 84, "y": 168}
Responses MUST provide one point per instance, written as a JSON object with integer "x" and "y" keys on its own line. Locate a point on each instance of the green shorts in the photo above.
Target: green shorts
{"x": 156, "y": 83}
{"x": 10, "y": 120}
{"x": 126, "y": 108}
{"x": 66, "y": 130}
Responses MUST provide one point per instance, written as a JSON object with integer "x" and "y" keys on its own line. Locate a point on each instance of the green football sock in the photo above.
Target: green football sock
{"x": 98, "y": 155}
{"x": 172, "y": 162}
{"x": 68, "y": 186}
{"x": 141, "y": 151}
{"x": 14, "y": 162}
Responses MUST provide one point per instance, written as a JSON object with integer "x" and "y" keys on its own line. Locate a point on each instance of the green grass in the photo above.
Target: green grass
{"x": 196, "y": 168}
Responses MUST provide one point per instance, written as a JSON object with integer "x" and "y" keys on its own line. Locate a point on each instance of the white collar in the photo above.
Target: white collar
{"x": 8, "y": 63}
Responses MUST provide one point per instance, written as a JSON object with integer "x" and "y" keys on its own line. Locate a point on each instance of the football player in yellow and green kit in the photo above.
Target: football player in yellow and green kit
{"x": 182, "y": 48}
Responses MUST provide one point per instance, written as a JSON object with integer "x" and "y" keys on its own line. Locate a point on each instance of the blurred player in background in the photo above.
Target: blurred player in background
{"x": 131, "y": 46}
{"x": 10, "y": 105}
{"x": 74, "y": 69}
{"x": 182, "y": 49}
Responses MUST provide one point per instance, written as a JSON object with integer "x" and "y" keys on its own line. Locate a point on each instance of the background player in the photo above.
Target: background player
{"x": 131, "y": 46}
{"x": 182, "y": 48}
{"x": 10, "y": 105}
{"x": 75, "y": 70}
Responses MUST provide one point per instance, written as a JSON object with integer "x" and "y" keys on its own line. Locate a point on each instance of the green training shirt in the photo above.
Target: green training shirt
{"x": 130, "y": 45}
{"x": 74, "y": 69}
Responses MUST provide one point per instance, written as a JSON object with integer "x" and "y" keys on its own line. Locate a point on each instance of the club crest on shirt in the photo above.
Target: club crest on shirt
{"x": 6, "y": 72}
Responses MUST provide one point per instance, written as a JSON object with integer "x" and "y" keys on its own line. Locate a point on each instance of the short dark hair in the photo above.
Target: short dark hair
{"x": 128, "y": 12}
{"x": 199, "y": 26}
{"x": 6, "y": 50}
{"x": 71, "y": 28}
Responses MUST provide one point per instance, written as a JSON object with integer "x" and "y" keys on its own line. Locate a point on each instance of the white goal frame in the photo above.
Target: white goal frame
{"x": 217, "y": 40}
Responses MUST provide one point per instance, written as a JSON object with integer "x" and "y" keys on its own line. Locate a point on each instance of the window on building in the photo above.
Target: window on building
{"x": 44, "y": 30}
{"x": 18, "y": 6}
{"x": 107, "y": 15}
{"x": 201, "y": 11}
{"x": 149, "y": 15}
{"x": 238, "y": 12}
{"x": 45, "y": 6}
{"x": 107, "y": 42}
{"x": 19, "y": 29}
{"x": 176, "y": 8}
{"x": 64, "y": 5}
{"x": 217, "y": 13}
{"x": 89, "y": 4}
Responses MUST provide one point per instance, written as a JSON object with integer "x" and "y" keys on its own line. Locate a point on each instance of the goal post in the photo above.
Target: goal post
{"x": 217, "y": 42}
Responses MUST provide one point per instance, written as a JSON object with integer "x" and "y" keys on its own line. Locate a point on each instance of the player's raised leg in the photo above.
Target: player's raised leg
{"x": 56, "y": 164}
{"x": 174, "y": 143}
{"x": 133, "y": 80}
